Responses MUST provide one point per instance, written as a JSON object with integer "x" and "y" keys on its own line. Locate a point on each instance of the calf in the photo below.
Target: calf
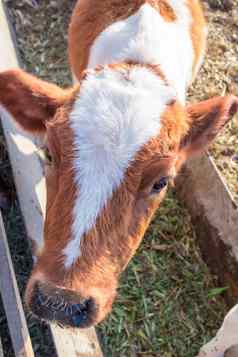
{"x": 116, "y": 140}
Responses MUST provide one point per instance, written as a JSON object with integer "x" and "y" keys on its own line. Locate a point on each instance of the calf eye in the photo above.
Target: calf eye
{"x": 159, "y": 185}
{"x": 48, "y": 156}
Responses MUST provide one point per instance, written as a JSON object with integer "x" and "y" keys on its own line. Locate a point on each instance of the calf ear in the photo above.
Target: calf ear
{"x": 207, "y": 119}
{"x": 31, "y": 101}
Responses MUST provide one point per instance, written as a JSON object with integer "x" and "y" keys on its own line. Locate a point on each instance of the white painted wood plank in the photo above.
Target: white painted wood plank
{"x": 30, "y": 184}
{"x": 22, "y": 150}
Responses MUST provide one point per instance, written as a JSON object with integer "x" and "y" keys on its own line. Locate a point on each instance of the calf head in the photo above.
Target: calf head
{"x": 116, "y": 141}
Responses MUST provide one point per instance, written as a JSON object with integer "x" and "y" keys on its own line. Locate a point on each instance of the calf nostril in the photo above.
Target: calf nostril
{"x": 79, "y": 316}
{"x": 81, "y": 312}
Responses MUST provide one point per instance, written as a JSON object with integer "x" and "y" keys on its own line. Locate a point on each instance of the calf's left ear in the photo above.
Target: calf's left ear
{"x": 31, "y": 101}
{"x": 207, "y": 118}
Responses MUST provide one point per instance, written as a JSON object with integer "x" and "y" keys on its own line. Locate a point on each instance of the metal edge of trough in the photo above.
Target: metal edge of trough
{"x": 214, "y": 215}
{"x": 30, "y": 184}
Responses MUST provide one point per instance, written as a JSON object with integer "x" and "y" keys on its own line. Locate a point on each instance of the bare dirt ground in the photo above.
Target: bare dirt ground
{"x": 168, "y": 304}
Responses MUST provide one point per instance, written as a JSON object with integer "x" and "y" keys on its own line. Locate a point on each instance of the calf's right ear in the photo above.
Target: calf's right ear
{"x": 31, "y": 101}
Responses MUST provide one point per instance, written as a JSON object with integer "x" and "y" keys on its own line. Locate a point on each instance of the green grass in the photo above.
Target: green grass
{"x": 167, "y": 305}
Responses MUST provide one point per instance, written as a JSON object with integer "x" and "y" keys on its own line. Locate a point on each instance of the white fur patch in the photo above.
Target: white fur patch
{"x": 113, "y": 117}
{"x": 146, "y": 37}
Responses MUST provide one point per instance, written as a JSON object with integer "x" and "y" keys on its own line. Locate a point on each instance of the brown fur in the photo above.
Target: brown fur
{"x": 102, "y": 259}
{"x": 198, "y": 31}
{"x": 37, "y": 101}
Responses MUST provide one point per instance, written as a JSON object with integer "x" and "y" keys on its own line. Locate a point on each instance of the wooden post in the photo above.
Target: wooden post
{"x": 12, "y": 301}
{"x": 30, "y": 183}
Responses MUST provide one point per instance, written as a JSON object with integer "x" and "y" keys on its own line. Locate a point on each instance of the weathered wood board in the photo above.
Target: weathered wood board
{"x": 12, "y": 301}
{"x": 215, "y": 217}
{"x": 30, "y": 184}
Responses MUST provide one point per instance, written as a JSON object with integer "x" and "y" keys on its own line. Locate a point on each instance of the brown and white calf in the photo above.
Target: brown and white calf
{"x": 116, "y": 140}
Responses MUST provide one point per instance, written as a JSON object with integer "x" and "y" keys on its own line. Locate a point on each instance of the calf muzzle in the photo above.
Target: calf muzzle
{"x": 61, "y": 306}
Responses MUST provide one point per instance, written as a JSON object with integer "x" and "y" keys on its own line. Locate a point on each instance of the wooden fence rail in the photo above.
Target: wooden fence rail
{"x": 12, "y": 302}
{"x": 215, "y": 218}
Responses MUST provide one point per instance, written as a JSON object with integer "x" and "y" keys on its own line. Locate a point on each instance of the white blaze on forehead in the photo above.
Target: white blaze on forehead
{"x": 146, "y": 37}
{"x": 113, "y": 117}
